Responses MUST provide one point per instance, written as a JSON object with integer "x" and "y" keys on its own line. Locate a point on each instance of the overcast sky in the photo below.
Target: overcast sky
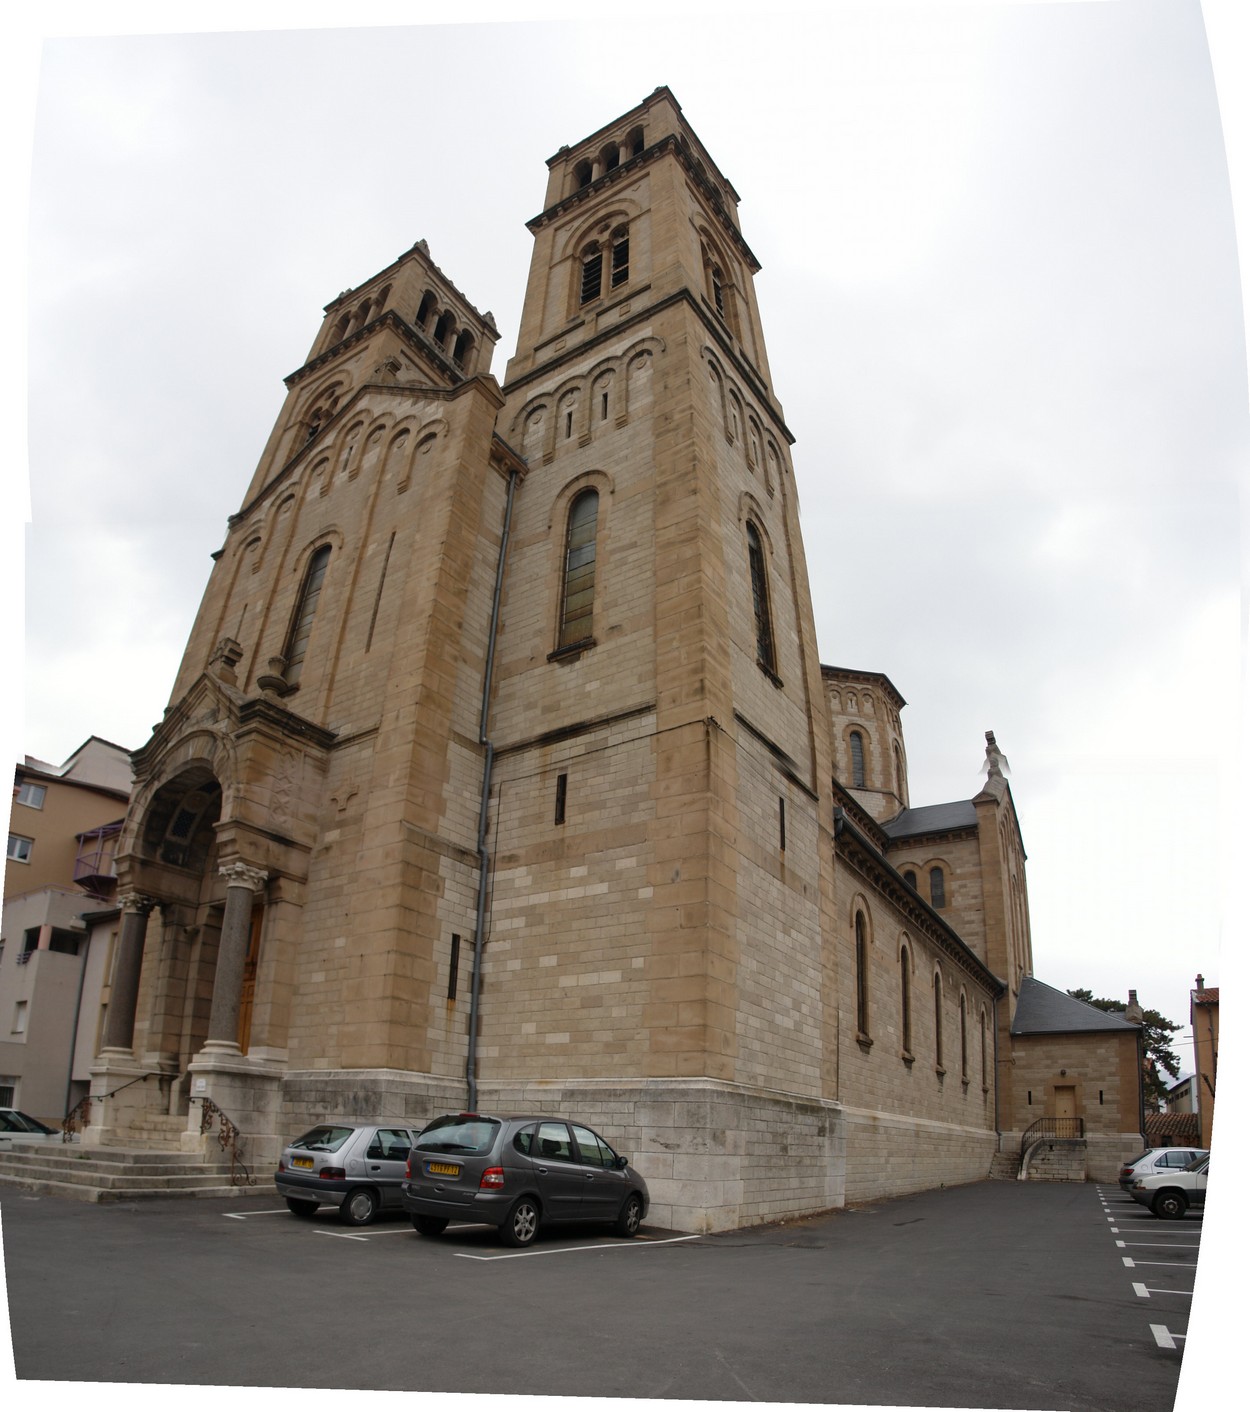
{"x": 1001, "y": 302}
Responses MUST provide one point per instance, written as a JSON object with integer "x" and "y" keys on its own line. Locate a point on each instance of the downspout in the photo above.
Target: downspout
{"x": 488, "y": 762}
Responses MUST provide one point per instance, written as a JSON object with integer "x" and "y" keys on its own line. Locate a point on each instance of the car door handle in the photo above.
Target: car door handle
{"x": 373, "y": 1167}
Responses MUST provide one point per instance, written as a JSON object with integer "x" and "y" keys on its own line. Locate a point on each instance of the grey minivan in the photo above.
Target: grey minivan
{"x": 357, "y": 1167}
{"x": 518, "y": 1174}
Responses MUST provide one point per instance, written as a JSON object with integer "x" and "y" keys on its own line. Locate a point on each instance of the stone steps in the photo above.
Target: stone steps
{"x": 113, "y": 1174}
{"x": 1005, "y": 1167}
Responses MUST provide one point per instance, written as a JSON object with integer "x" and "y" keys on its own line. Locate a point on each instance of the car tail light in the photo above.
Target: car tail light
{"x": 492, "y": 1179}
{"x": 408, "y": 1169}
{"x": 332, "y": 1174}
{"x": 281, "y": 1165}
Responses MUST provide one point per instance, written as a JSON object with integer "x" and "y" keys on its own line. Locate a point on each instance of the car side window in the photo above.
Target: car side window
{"x": 1174, "y": 1159}
{"x": 594, "y": 1152}
{"x": 524, "y": 1142}
{"x": 552, "y": 1143}
{"x": 389, "y": 1145}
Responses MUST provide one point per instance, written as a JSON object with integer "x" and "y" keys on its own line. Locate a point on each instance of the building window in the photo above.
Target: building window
{"x": 592, "y": 274}
{"x": 562, "y": 796}
{"x": 781, "y": 819}
{"x": 861, "y": 976}
{"x": 19, "y": 1017}
{"x": 984, "y": 1072}
{"x": 898, "y": 772}
{"x": 904, "y": 962}
{"x": 8, "y": 1090}
{"x": 858, "y": 778}
{"x": 30, "y": 794}
{"x": 963, "y": 1038}
{"x": 301, "y": 624}
{"x": 909, "y": 877}
{"x": 577, "y": 609}
{"x": 620, "y": 257}
{"x": 20, "y": 848}
{"x": 453, "y": 972}
{"x": 764, "y": 652}
{"x": 937, "y": 887}
{"x": 937, "y": 1022}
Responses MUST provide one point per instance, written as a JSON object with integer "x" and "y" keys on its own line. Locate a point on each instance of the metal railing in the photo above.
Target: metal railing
{"x": 229, "y": 1139}
{"x": 80, "y": 1114}
{"x": 1052, "y": 1129}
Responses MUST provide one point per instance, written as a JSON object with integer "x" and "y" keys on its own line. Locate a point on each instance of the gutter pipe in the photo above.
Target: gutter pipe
{"x": 488, "y": 764}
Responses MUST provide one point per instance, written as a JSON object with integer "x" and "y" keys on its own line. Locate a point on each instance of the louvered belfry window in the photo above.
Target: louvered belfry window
{"x": 577, "y": 613}
{"x": 592, "y": 274}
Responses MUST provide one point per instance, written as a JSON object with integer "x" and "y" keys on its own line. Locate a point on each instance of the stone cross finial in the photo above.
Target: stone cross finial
{"x": 995, "y": 760}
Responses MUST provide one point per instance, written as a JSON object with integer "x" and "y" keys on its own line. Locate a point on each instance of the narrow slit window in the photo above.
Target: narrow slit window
{"x": 562, "y": 794}
{"x": 453, "y": 972}
{"x": 577, "y": 610}
{"x": 861, "y": 975}
{"x": 764, "y": 652}
{"x": 781, "y": 818}
{"x": 905, "y": 998}
{"x": 301, "y": 624}
{"x": 937, "y": 1020}
{"x": 937, "y": 887}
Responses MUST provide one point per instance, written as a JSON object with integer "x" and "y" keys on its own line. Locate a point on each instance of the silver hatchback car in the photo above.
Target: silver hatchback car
{"x": 357, "y": 1167}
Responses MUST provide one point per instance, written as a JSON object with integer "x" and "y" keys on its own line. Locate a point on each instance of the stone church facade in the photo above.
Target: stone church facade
{"x": 502, "y": 772}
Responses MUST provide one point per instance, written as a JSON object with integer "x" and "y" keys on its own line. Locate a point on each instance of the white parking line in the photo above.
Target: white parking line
{"x": 1142, "y": 1292}
{"x": 1167, "y": 1244}
{"x": 340, "y": 1235}
{"x": 1164, "y": 1337}
{"x": 1132, "y": 1264}
{"x": 243, "y": 1215}
{"x": 575, "y": 1249}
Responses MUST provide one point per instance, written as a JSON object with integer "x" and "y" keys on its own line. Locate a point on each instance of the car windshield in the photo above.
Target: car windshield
{"x": 458, "y": 1132}
{"x": 16, "y": 1122}
{"x": 326, "y": 1138}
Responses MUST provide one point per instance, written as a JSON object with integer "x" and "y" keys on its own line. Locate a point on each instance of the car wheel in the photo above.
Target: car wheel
{"x": 521, "y": 1225}
{"x": 359, "y": 1206}
{"x": 306, "y": 1209}
{"x": 1171, "y": 1205}
{"x": 429, "y": 1225}
{"x": 630, "y": 1219}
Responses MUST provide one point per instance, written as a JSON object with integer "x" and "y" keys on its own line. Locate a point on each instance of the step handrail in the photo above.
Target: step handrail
{"x": 229, "y": 1139}
{"x": 1060, "y": 1129}
{"x": 80, "y": 1113}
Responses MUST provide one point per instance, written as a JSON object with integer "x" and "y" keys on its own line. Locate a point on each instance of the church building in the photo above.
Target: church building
{"x": 501, "y": 771}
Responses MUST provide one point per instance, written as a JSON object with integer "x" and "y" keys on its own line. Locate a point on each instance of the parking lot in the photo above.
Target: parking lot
{"x": 1000, "y": 1294}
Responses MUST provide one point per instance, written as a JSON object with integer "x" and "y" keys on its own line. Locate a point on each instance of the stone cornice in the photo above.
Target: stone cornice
{"x": 260, "y": 711}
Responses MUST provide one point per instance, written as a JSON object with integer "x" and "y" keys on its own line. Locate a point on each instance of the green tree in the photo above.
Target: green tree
{"x": 1157, "y": 1032}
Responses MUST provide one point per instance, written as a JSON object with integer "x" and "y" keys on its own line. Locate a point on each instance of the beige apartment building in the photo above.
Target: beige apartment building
{"x": 502, "y": 772}
{"x": 57, "y": 924}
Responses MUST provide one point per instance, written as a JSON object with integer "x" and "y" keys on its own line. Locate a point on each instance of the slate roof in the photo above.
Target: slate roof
{"x": 932, "y": 818}
{"x": 1041, "y": 1009}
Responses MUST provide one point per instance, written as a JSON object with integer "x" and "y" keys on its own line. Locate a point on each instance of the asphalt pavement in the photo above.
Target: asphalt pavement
{"x": 995, "y": 1295}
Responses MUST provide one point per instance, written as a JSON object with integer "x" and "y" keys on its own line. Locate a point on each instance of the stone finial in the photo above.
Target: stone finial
{"x": 995, "y": 760}
{"x": 226, "y": 657}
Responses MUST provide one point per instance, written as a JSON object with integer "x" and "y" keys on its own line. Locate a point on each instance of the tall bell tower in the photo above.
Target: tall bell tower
{"x": 663, "y": 851}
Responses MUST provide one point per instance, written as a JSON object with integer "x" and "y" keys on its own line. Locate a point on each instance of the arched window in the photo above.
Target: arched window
{"x": 963, "y": 1037}
{"x": 577, "y": 609}
{"x": 464, "y": 347}
{"x": 858, "y": 778}
{"x": 305, "y": 611}
{"x": 582, "y": 174}
{"x": 764, "y": 651}
{"x": 909, "y": 877}
{"x": 898, "y": 772}
{"x": 592, "y": 273}
{"x": 861, "y": 976}
{"x": 443, "y": 329}
{"x": 984, "y": 1078}
{"x": 634, "y": 142}
{"x": 426, "y": 310}
{"x": 937, "y": 887}
{"x": 937, "y": 1019}
{"x": 904, "y": 963}
{"x": 610, "y": 157}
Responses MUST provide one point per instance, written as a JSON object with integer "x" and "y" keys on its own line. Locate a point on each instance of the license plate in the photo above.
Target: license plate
{"x": 301, "y": 1161}
{"x": 443, "y": 1169}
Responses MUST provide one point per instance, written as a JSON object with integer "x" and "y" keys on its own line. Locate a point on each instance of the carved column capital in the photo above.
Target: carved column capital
{"x": 134, "y": 901}
{"x": 239, "y": 874}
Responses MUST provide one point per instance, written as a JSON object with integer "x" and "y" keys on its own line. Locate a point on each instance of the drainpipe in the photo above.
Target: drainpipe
{"x": 488, "y": 762}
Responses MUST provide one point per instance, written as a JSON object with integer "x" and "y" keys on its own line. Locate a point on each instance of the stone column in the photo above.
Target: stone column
{"x": 242, "y": 882}
{"x": 119, "y": 1024}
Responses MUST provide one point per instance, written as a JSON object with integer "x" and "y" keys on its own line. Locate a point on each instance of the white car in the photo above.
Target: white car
{"x": 21, "y": 1127}
{"x": 1158, "y": 1159}
{"x": 1170, "y": 1193}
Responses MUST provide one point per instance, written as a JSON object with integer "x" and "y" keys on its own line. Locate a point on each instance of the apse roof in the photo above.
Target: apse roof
{"x": 932, "y": 818}
{"x": 1041, "y": 1009}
